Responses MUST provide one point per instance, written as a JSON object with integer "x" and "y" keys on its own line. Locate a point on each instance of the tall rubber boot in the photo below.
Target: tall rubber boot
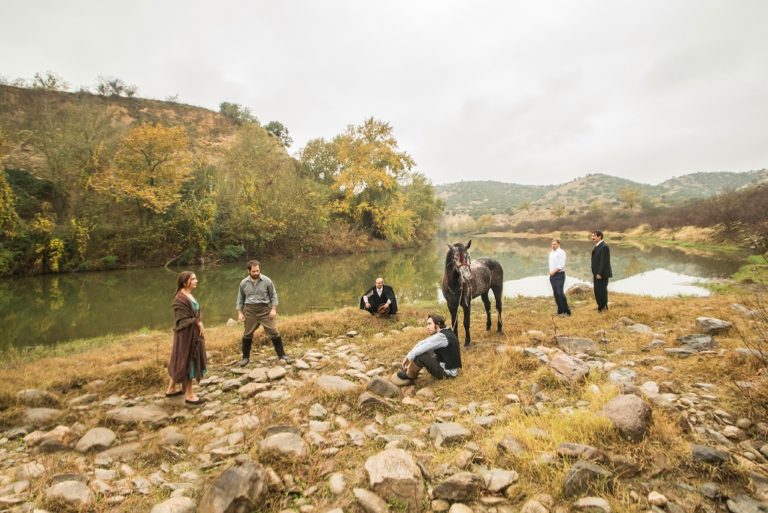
{"x": 247, "y": 342}
{"x": 277, "y": 342}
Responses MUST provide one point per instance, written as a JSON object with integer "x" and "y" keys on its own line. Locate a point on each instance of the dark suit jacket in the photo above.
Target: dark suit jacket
{"x": 387, "y": 293}
{"x": 601, "y": 261}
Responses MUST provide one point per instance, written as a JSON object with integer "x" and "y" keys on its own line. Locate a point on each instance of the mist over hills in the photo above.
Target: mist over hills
{"x": 477, "y": 198}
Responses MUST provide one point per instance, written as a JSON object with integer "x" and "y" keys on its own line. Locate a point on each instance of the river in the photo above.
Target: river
{"x": 43, "y": 310}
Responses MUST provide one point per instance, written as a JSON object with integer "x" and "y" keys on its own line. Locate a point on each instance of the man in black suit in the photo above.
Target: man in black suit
{"x": 379, "y": 299}
{"x": 601, "y": 270}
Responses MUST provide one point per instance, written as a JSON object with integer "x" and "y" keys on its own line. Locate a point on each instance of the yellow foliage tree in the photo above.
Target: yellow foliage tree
{"x": 368, "y": 181}
{"x": 150, "y": 167}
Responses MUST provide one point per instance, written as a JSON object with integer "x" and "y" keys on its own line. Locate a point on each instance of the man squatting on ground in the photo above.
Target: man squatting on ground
{"x": 257, "y": 305}
{"x": 439, "y": 353}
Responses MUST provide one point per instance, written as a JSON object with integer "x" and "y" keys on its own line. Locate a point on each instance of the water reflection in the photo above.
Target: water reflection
{"x": 48, "y": 309}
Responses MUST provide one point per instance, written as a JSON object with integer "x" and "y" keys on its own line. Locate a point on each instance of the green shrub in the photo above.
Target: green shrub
{"x": 109, "y": 261}
{"x": 232, "y": 252}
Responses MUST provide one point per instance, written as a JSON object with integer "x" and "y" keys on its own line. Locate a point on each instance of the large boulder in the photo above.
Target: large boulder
{"x": 448, "y": 433}
{"x": 630, "y": 414}
{"x": 98, "y": 438}
{"x": 697, "y": 342}
{"x": 335, "y": 385}
{"x": 461, "y": 487}
{"x": 369, "y": 501}
{"x": 70, "y": 490}
{"x": 394, "y": 476}
{"x": 583, "y": 476}
{"x": 133, "y": 415}
{"x": 383, "y": 387}
{"x": 175, "y": 505}
{"x": 285, "y": 444}
{"x": 41, "y": 417}
{"x": 574, "y": 345}
{"x": 239, "y": 488}
{"x": 712, "y": 326}
{"x": 568, "y": 368}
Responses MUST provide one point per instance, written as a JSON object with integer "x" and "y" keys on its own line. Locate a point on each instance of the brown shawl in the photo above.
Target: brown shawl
{"x": 188, "y": 343}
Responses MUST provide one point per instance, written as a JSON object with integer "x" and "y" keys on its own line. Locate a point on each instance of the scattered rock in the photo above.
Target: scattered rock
{"x": 712, "y": 326}
{"x": 630, "y": 414}
{"x": 394, "y": 475}
{"x": 369, "y": 400}
{"x": 583, "y": 476}
{"x": 498, "y": 480}
{"x": 448, "y": 433}
{"x": 132, "y": 415}
{"x": 369, "y": 501}
{"x": 335, "y": 385}
{"x": 593, "y": 504}
{"x": 73, "y": 492}
{"x": 238, "y": 488}
{"x": 383, "y": 387}
{"x": 575, "y": 345}
{"x": 41, "y": 417}
{"x": 98, "y": 438}
{"x": 568, "y": 368}
{"x": 697, "y": 342}
{"x": 704, "y": 454}
{"x": 461, "y": 487}
{"x": 289, "y": 445}
{"x": 175, "y": 505}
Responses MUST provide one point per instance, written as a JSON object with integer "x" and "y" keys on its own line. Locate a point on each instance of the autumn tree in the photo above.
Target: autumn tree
{"x": 262, "y": 199}
{"x": 368, "y": 182}
{"x": 150, "y": 166}
{"x": 319, "y": 161}
{"x": 631, "y": 196}
{"x": 9, "y": 219}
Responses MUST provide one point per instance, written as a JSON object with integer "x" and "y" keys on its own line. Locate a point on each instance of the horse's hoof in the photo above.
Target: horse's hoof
{"x": 467, "y": 347}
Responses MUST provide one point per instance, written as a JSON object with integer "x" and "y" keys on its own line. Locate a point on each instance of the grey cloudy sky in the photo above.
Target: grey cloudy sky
{"x": 517, "y": 91}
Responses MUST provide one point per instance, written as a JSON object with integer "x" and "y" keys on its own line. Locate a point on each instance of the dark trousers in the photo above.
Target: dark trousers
{"x": 558, "y": 282}
{"x": 429, "y": 361}
{"x": 601, "y": 293}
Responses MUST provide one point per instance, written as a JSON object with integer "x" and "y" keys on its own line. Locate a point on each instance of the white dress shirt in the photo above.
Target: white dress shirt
{"x": 556, "y": 260}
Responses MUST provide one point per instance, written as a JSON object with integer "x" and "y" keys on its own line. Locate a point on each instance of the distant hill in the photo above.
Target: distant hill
{"x": 476, "y": 198}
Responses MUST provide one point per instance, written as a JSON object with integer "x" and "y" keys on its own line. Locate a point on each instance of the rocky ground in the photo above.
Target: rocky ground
{"x": 549, "y": 423}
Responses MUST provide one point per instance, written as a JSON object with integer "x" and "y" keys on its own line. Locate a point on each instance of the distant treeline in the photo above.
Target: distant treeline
{"x": 104, "y": 181}
{"x": 741, "y": 215}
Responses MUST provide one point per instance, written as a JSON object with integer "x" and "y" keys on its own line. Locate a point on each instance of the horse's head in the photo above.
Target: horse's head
{"x": 458, "y": 259}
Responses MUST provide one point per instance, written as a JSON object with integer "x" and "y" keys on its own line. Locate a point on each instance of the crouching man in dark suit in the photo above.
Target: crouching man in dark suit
{"x": 439, "y": 353}
{"x": 379, "y": 299}
{"x": 601, "y": 270}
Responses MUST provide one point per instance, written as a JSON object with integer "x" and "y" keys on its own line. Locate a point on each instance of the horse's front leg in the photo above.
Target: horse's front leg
{"x": 454, "y": 310}
{"x": 467, "y": 311}
{"x": 487, "y": 304}
{"x": 497, "y": 295}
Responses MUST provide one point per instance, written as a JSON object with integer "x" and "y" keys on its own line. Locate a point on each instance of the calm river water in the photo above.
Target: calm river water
{"x": 48, "y": 309}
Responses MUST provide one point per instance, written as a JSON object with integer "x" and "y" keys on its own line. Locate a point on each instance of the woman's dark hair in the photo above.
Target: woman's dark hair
{"x": 437, "y": 319}
{"x": 183, "y": 279}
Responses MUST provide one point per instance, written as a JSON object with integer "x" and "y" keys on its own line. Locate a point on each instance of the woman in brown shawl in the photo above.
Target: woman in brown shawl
{"x": 188, "y": 353}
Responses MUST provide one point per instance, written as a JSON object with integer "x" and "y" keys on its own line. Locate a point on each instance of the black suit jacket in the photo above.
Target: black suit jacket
{"x": 601, "y": 261}
{"x": 386, "y": 293}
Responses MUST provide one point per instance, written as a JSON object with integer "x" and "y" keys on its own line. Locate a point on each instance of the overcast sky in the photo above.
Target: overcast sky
{"x": 532, "y": 92}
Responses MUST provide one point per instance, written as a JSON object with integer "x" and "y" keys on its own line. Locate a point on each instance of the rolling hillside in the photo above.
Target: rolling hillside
{"x": 476, "y": 198}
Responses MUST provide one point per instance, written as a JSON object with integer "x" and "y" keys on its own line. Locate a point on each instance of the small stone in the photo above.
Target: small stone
{"x": 657, "y": 499}
{"x": 593, "y": 503}
{"x": 369, "y": 501}
{"x": 337, "y": 483}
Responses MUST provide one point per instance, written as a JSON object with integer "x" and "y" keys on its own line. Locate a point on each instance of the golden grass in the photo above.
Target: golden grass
{"x": 134, "y": 365}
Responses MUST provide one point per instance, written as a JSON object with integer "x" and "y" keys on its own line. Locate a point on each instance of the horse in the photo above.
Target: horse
{"x": 464, "y": 280}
